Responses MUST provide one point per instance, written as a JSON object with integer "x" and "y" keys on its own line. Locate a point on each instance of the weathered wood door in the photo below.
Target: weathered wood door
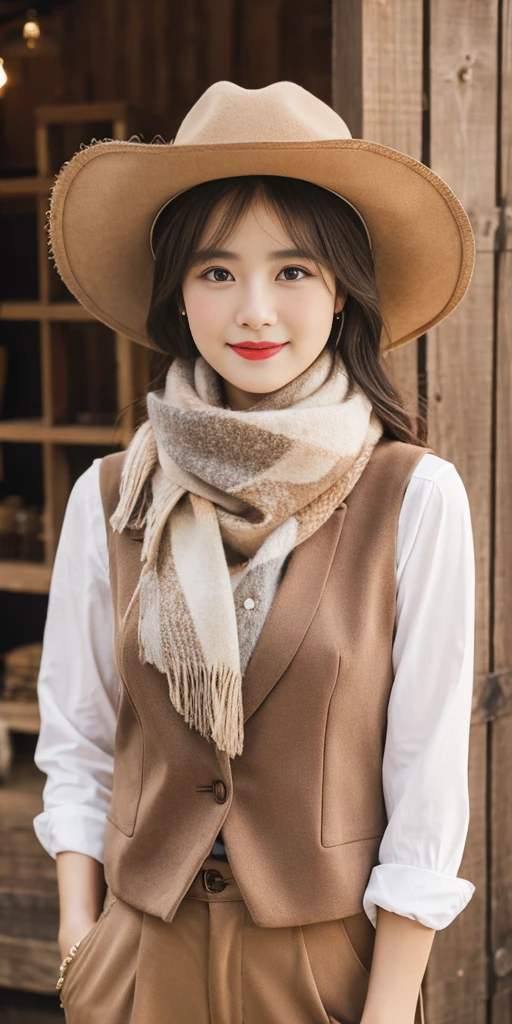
{"x": 433, "y": 78}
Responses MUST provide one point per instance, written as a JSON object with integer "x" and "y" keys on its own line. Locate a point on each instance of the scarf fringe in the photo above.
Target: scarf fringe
{"x": 209, "y": 697}
{"x": 214, "y": 706}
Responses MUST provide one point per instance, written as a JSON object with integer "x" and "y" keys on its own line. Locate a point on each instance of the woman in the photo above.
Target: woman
{"x": 269, "y": 598}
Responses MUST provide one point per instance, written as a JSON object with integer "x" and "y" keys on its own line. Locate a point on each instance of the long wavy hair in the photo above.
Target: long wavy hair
{"x": 323, "y": 227}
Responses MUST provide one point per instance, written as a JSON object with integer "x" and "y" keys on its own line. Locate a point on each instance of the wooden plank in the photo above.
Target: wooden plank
{"x": 66, "y": 113}
{"x": 24, "y": 864}
{"x": 71, "y": 311}
{"x": 463, "y": 38}
{"x": 29, "y": 956}
{"x": 57, "y": 486}
{"x": 370, "y": 42}
{"x": 35, "y": 432}
{"x": 393, "y": 115}
{"x": 29, "y": 186}
{"x": 256, "y": 43}
{"x": 29, "y": 915}
{"x": 347, "y": 63}
{"x": 45, "y": 345}
{"x": 31, "y": 965}
{"x": 217, "y": 39}
{"x": 25, "y": 577}
{"x": 20, "y": 716}
{"x": 55, "y": 373}
{"x": 501, "y": 766}
{"x": 125, "y": 381}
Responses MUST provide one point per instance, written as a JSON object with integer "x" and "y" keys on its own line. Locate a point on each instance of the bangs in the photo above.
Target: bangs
{"x": 288, "y": 204}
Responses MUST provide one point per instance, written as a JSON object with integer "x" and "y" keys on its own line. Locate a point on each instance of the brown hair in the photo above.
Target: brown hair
{"x": 327, "y": 230}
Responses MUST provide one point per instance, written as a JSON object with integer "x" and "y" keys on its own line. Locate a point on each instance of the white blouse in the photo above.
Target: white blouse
{"x": 425, "y": 765}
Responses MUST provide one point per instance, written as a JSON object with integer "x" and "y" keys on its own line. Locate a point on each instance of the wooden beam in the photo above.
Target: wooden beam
{"x": 463, "y": 74}
{"x": 36, "y": 432}
{"x": 25, "y": 577}
{"x": 371, "y": 41}
{"x": 501, "y": 762}
{"x": 71, "y": 311}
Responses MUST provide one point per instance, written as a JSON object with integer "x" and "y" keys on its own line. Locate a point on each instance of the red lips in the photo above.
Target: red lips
{"x": 257, "y": 349}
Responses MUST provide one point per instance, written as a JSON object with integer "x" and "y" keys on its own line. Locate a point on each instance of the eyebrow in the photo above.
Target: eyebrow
{"x": 204, "y": 255}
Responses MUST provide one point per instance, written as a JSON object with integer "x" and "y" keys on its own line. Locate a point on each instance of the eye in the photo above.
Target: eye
{"x": 291, "y": 273}
{"x": 220, "y": 274}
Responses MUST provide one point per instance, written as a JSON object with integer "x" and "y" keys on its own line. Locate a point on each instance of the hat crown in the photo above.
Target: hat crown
{"x": 281, "y": 112}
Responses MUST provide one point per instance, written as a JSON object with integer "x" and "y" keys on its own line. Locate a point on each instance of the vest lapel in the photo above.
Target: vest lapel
{"x": 291, "y": 612}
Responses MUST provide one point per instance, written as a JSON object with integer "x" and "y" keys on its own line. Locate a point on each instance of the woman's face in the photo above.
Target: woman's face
{"x": 258, "y": 288}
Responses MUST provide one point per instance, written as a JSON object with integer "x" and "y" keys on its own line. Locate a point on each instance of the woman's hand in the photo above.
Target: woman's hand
{"x": 81, "y": 894}
{"x": 73, "y": 931}
{"x": 400, "y": 956}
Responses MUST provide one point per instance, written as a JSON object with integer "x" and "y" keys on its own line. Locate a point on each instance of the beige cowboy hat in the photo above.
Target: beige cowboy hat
{"x": 105, "y": 200}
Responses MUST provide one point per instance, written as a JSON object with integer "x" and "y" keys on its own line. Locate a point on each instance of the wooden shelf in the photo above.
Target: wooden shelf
{"x": 46, "y": 311}
{"x": 36, "y": 432}
{"x": 25, "y": 577}
{"x": 29, "y": 186}
{"x": 20, "y": 716}
{"x": 29, "y": 956}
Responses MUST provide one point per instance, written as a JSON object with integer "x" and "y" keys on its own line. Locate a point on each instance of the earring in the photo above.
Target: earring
{"x": 341, "y": 317}
{"x": 183, "y": 312}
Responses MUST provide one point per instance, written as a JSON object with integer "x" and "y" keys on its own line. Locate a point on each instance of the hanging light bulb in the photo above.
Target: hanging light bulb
{"x": 3, "y": 75}
{"x": 31, "y": 29}
{"x": 32, "y": 41}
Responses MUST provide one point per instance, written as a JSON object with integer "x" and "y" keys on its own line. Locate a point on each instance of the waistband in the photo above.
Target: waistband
{"x": 214, "y": 882}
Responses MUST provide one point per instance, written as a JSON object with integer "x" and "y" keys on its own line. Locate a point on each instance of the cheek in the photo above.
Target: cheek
{"x": 204, "y": 310}
{"x": 309, "y": 309}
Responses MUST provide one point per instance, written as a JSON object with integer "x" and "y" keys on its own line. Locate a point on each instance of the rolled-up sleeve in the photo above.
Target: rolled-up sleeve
{"x": 78, "y": 682}
{"x": 425, "y": 763}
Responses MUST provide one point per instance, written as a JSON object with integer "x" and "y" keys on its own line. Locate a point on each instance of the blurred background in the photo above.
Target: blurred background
{"x": 430, "y": 77}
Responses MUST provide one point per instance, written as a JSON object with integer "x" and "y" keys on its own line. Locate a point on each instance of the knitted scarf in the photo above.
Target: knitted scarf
{"x": 197, "y": 475}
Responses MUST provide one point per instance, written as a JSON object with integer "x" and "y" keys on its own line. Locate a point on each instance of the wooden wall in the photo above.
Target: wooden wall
{"x": 160, "y": 55}
{"x": 433, "y": 77}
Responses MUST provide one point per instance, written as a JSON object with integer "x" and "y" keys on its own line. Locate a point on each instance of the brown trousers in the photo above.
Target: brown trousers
{"x": 213, "y": 965}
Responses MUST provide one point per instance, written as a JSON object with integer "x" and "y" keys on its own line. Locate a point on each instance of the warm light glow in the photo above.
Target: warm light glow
{"x": 3, "y": 75}
{"x": 31, "y": 29}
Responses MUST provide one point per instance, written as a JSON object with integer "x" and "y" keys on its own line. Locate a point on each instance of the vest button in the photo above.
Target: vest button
{"x": 213, "y": 881}
{"x": 220, "y": 792}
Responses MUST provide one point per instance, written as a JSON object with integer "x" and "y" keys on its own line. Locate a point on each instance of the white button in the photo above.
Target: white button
{"x": 248, "y": 603}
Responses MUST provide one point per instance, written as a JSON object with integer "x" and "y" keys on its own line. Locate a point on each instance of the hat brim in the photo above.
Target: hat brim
{"x": 104, "y": 200}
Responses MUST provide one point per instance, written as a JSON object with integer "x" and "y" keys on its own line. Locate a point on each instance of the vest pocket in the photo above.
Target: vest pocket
{"x": 353, "y": 807}
{"x": 128, "y": 766}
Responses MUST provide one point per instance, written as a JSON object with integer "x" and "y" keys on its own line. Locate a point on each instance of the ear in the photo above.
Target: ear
{"x": 340, "y": 302}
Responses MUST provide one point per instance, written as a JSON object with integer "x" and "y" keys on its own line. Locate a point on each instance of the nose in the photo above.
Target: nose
{"x": 256, "y": 310}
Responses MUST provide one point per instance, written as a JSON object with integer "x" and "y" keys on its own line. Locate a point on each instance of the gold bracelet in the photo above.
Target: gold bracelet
{"x": 64, "y": 966}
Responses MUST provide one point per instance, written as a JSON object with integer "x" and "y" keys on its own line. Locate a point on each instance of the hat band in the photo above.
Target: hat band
{"x": 338, "y": 194}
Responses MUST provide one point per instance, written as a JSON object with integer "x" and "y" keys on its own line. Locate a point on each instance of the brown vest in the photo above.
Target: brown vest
{"x": 301, "y": 809}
